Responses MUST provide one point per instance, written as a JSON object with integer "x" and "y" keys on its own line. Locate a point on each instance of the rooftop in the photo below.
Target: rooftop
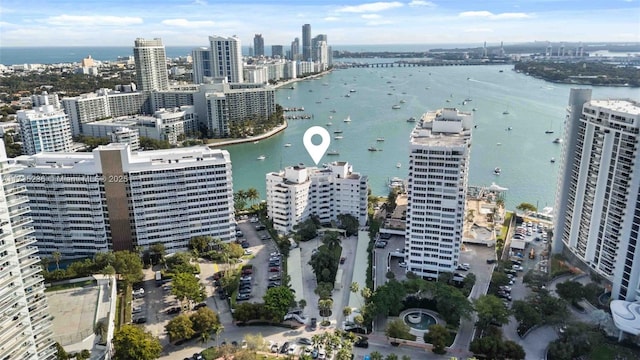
{"x": 626, "y": 316}
{"x": 627, "y": 106}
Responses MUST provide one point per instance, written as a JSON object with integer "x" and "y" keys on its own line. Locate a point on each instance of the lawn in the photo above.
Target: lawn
{"x": 71, "y": 285}
{"x": 608, "y": 351}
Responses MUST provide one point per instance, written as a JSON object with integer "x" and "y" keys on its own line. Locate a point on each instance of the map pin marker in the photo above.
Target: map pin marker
{"x": 316, "y": 151}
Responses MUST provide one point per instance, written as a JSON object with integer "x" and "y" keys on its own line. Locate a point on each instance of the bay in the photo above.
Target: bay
{"x": 523, "y": 153}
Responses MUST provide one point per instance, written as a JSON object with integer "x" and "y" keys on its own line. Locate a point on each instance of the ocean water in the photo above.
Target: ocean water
{"x": 523, "y": 153}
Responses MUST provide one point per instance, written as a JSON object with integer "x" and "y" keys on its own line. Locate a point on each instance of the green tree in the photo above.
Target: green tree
{"x": 493, "y": 347}
{"x": 204, "y": 320}
{"x": 526, "y": 207}
{"x": 490, "y": 309}
{"x": 200, "y": 244}
{"x": 239, "y": 200}
{"x": 438, "y": 336}
{"x": 572, "y": 291}
{"x": 179, "y": 328}
{"x": 349, "y": 223}
{"x": 451, "y": 303}
{"x": 526, "y": 314}
{"x": 376, "y": 356}
{"x": 132, "y": 342}
{"x": 302, "y": 303}
{"x": 100, "y": 329}
{"x": 324, "y": 290}
{"x": 255, "y": 342}
{"x": 44, "y": 262}
{"x": 235, "y": 251}
{"x": 277, "y": 301}
{"x": 253, "y": 195}
{"x": 129, "y": 266}
{"x": 387, "y": 299}
{"x": 391, "y": 357}
{"x": 397, "y": 329}
{"x": 158, "y": 252}
{"x": 560, "y": 350}
{"x": 186, "y": 286}
{"x": 61, "y": 354}
{"x": 56, "y": 255}
{"x": 331, "y": 239}
{"x": 346, "y": 311}
{"x": 325, "y": 305}
{"x": 153, "y": 144}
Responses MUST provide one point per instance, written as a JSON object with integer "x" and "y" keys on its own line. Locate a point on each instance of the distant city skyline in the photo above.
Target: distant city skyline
{"x": 116, "y": 23}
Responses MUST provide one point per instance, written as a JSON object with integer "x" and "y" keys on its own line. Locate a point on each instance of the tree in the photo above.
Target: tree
{"x": 302, "y": 303}
{"x": 491, "y": 310}
{"x": 44, "y": 262}
{"x": 331, "y": 239}
{"x": 61, "y": 354}
{"x": 277, "y": 301}
{"x": 438, "y": 336}
{"x": 354, "y": 288}
{"x": 153, "y": 144}
{"x": 187, "y": 286}
{"x": 235, "y": 251}
{"x": 391, "y": 356}
{"x": 253, "y": 195}
{"x": 56, "y": 255}
{"x": 100, "y": 329}
{"x": 239, "y": 200}
{"x": 129, "y": 266}
{"x": 376, "y": 356}
{"x": 349, "y": 223}
{"x": 560, "y": 350}
{"x": 200, "y": 244}
{"x": 526, "y": 207}
{"x": 132, "y": 342}
{"x": 325, "y": 305}
{"x": 179, "y": 328}
{"x": 397, "y": 329}
{"x": 572, "y": 291}
{"x": 218, "y": 329}
{"x": 387, "y": 298}
{"x": 204, "y": 320}
{"x": 346, "y": 311}
{"x": 493, "y": 347}
{"x": 158, "y": 251}
{"x": 451, "y": 303}
{"x": 526, "y": 315}
{"x": 255, "y": 342}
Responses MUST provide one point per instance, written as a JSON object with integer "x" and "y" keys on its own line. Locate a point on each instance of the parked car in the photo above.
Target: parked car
{"x": 402, "y": 264}
{"x": 274, "y": 347}
{"x": 361, "y": 342}
{"x": 292, "y": 349}
{"x": 244, "y": 245}
{"x": 140, "y": 320}
{"x": 274, "y": 269}
{"x": 264, "y": 237}
{"x": 272, "y": 285}
{"x": 313, "y": 325}
{"x": 136, "y": 310}
{"x": 199, "y": 306}
{"x": 260, "y": 227}
{"x": 174, "y": 310}
{"x": 314, "y": 353}
{"x": 491, "y": 261}
{"x": 342, "y": 260}
{"x": 274, "y": 277}
{"x": 197, "y": 356}
{"x": 245, "y": 278}
{"x": 242, "y": 297}
{"x": 248, "y": 251}
{"x": 304, "y": 341}
{"x": 462, "y": 268}
{"x": 284, "y": 348}
{"x": 244, "y": 291}
{"x": 239, "y": 233}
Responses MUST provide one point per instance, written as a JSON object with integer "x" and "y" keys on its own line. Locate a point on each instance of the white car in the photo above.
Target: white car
{"x": 402, "y": 264}
{"x": 322, "y": 354}
{"x": 248, "y": 251}
{"x": 292, "y": 349}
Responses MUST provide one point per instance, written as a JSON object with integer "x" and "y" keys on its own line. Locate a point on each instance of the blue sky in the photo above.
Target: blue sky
{"x": 190, "y": 22}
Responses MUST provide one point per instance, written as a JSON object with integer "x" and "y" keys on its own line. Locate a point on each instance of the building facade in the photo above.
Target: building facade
{"x": 598, "y": 195}
{"x": 298, "y": 192}
{"x": 306, "y": 42}
{"x": 295, "y": 50}
{"x": 201, "y": 61}
{"x": 151, "y": 64}
{"x": 439, "y": 154}
{"x": 44, "y": 128}
{"x": 112, "y": 199}
{"x": 25, "y": 326}
{"x": 258, "y": 45}
{"x": 277, "y": 51}
{"x": 127, "y": 136}
{"x": 226, "y": 58}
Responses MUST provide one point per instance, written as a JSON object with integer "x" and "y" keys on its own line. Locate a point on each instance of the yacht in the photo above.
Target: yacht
{"x": 411, "y": 119}
{"x": 287, "y": 145}
{"x": 333, "y": 110}
{"x": 380, "y": 139}
{"x": 329, "y": 124}
{"x": 557, "y": 140}
{"x": 553, "y": 160}
{"x": 333, "y": 152}
{"x": 398, "y": 165}
{"x": 548, "y": 132}
{"x": 395, "y": 107}
{"x": 338, "y": 137}
{"x": 352, "y": 90}
{"x": 474, "y": 109}
{"x": 337, "y": 131}
{"x": 396, "y": 182}
{"x": 403, "y": 101}
{"x": 373, "y": 148}
{"x": 506, "y": 112}
{"x": 347, "y": 119}
{"x": 257, "y": 141}
{"x": 497, "y": 171}
{"x": 261, "y": 157}
{"x": 348, "y": 95}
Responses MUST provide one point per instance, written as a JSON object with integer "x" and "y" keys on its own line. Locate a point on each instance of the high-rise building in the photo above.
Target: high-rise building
{"x": 295, "y": 49}
{"x": 226, "y": 58}
{"x": 306, "y": 42}
{"x": 315, "y": 46}
{"x": 113, "y": 199}
{"x": 25, "y": 325}
{"x": 44, "y": 128}
{"x": 439, "y": 153}
{"x": 258, "y": 45}
{"x": 201, "y": 58}
{"x": 598, "y": 196}
{"x": 323, "y": 55}
{"x": 298, "y": 192}
{"x": 151, "y": 65}
{"x": 277, "y": 51}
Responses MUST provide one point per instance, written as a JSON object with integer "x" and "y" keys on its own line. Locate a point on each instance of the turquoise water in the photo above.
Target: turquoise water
{"x": 426, "y": 320}
{"x": 524, "y": 154}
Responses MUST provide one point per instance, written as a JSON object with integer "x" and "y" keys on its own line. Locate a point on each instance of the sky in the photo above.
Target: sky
{"x": 347, "y": 22}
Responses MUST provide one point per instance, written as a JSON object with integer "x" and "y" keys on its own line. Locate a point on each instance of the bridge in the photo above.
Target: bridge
{"x": 405, "y": 63}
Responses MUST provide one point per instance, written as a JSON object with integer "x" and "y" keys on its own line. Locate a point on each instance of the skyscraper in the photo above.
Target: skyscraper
{"x": 44, "y": 128}
{"x": 226, "y": 58}
{"x": 598, "y": 196}
{"x": 258, "y": 45}
{"x": 277, "y": 50}
{"x": 306, "y": 42}
{"x": 25, "y": 326}
{"x": 201, "y": 64}
{"x": 151, "y": 65}
{"x": 315, "y": 46}
{"x": 439, "y": 154}
{"x": 295, "y": 49}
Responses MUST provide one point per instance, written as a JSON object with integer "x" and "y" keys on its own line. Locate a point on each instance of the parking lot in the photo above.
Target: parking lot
{"x": 384, "y": 262}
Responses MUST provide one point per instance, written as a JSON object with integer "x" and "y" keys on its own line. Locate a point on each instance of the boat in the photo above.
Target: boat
{"x": 553, "y": 160}
{"x": 509, "y": 128}
{"x": 548, "y": 131}
{"x": 347, "y": 119}
{"x": 448, "y": 100}
{"x": 333, "y": 110}
{"x": 261, "y": 157}
{"x": 329, "y": 124}
{"x": 501, "y": 71}
{"x": 557, "y": 140}
{"x": 337, "y": 131}
{"x": 474, "y": 109}
{"x": 506, "y": 112}
{"x": 380, "y": 139}
{"x": 333, "y": 152}
{"x": 257, "y": 141}
{"x": 352, "y": 90}
{"x": 287, "y": 145}
{"x": 498, "y": 144}
{"x": 373, "y": 148}
{"x": 497, "y": 171}
{"x": 348, "y": 95}
{"x": 411, "y": 119}
{"x": 291, "y": 87}
{"x": 395, "y": 182}
{"x": 398, "y": 165}
{"x": 338, "y": 137}
{"x": 395, "y": 107}
{"x": 403, "y": 101}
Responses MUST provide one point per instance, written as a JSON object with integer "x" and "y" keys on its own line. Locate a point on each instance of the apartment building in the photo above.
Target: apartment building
{"x": 439, "y": 153}
{"x": 25, "y": 324}
{"x": 298, "y": 192}
{"x": 113, "y": 199}
{"x": 151, "y": 64}
{"x": 598, "y": 194}
{"x": 44, "y": 128}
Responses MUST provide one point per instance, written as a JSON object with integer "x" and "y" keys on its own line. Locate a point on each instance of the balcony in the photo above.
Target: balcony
{"x": 15, "y": 190}
{"x": 22, "y": 221}
{"x": 33, "y": 269}
{"x": 19, "y": 211}
{"x": 25, "y": 240}
{"x": 35, "y": 279}
{"x": 26, "y": 251}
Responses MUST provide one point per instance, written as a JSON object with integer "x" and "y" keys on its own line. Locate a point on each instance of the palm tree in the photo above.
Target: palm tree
{"x": 218, "y": 329}
{"x": 331, "y": 239}
{"x": 56, "y": 257}
{"x": 302, "y": 303}
{"x": 354, "y": 287}
{"x": 205, "y": 336}
{"x": 252, "y": 195}
{"x": 44, "y": 262}
{"x": 325, "y": 306}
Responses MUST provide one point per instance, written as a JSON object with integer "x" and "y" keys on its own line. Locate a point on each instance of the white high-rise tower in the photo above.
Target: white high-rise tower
{"x": 151, "y": 65}
{"x": 598, "y": 196}
{"x": 226, "y": 58}
{"x": 437, "y": 185}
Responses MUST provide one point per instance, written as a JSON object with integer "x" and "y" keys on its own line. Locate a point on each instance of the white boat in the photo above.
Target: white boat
{"x": 287, "y": 145}
{"x": 398, "y": 165}
{"x": 257, "y": 141}
{"x": 403, "y": 101}
{"x": 329, "y": 124}
{"x": 380, "y": 139}
{"x": 498, "y": 144}
{"x": 347, "y": 119}
{"x": 352, "y": 90}
{"x": 557, "y": 140}
{"x": 333, "y": 152}
{"x": 395, "y": 107}
{"x": 373, "y": 148}
{"x": 338, "y": 137}
{"x": 261, "y": 157}
{"x": 411, "y": 119}
{"x": 497, "y": 171}
{"x": 396, "y": 183}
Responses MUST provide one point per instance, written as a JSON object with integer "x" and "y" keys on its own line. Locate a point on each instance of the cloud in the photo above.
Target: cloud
{"x": 491, "y": 16}
{"x": 187, "y": 23}
{"x": 370, "y": 16}
{"x": 200, "y": 2}
{"x": 93, "y": 20}
{"x": 331, "y": 18}
{"x": 478, "y": 30}
{"x": 379, "y": 22}
{"x": 371, "y": 7}
{"x": 421, "y": 3}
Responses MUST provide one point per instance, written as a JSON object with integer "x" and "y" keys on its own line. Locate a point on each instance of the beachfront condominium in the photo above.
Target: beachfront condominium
{"x": 25, "y": 324}
{"x": 598, "y": 196}
{"x": 151, "y": 64}
{"x": 44, "y": 128}
{"x": 299, "y": 192}
{"x": 258, "y": 45}
{"x": 201, "y": 60}
{"x": 439, "y": 153}
{"x": 306, "y": 42}
{"x": 113, "y": 199}
{"x": 226, "y": 58}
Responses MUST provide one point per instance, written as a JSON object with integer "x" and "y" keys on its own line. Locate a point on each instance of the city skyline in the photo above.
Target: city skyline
{"x": 40, "y": 23}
